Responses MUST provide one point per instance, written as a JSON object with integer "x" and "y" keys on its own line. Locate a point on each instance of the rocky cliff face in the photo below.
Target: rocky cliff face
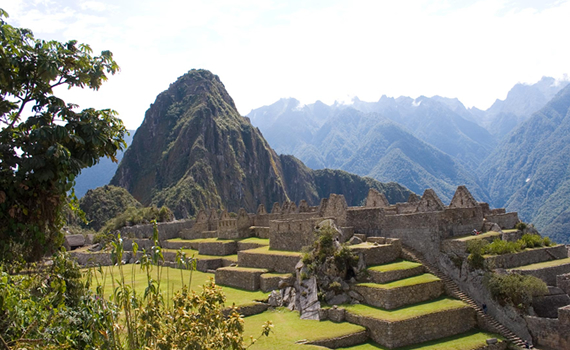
{"x": 193, "y": 150}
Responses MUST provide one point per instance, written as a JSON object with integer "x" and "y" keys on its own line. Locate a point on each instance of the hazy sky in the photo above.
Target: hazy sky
{"x": 328, "y": 50}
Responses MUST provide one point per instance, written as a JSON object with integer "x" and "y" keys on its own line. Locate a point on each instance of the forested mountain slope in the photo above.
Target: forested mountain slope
{"x": 193, "y": 150}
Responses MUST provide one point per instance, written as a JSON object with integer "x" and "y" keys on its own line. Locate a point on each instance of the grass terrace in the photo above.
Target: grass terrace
{"x": 266, "y": 250}
{"x": 490, "y": 234}
{"x": 543, "y": 265}
{"x": 289, "y": 328}
{"x": 465, "y": 341}
{"x": 171, "y": 280}
{"x": 410, "y": 281}
{"x": 407, "y": 312}
{"x": 194, "y": 253}
{"x": 395, "y": 266}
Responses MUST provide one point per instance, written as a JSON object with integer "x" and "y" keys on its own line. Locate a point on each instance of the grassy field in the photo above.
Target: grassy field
{"x": 406, "y": 312}
{"x": 172, "y": 281}
{"x": 410, "y": 281}
{"x": 289, "y": 328}
{"x": 489, "y": 234}
{"x": 394, "y": 266}
{"x": 464, "y": 341}
{"x": 266, "y": 250}
{"x": 543, "y": 265}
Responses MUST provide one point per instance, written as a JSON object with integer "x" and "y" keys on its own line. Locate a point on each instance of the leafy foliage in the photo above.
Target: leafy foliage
{"x": 515, "y": 289}
{"x": 105, "y": 203}
{"x": 134, "y": 216}
{"x": 42, "y": 153}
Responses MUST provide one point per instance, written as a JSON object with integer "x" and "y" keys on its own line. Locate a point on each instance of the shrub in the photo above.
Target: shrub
{"x": 515, "y": 289}
{"x": 520, "y": 226}
{"x": 134, "y": 216}
{"x": 477, "y": 249}
{"x": 499, "y": 247}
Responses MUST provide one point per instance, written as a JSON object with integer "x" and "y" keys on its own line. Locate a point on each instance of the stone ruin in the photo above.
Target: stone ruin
{"x": 378, "y": 231}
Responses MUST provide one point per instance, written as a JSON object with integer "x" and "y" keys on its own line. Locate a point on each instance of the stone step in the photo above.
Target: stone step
{"x": 218, "y": 247}
{"x": 375, "y": 253}
{"x": 239, "y": 277}
{"x": 546, "y": 271}
{"x": 399, "y": 293}
{"x": 274, "y": 281}
{"x": 413, "y": 324}
{"x": 273, "y": 260}
{"x": 394, "y": 271}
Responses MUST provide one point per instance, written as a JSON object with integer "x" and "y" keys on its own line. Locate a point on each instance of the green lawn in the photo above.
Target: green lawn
{"x": 543, "y": 265}
{"x": 289, "y": 328}
{"x": 481, "y": 236}
{"x": 410, "y": 281}
{"x": 197, "y": 240}
{"x": 197, "y": 255}
{"x": 264, "y": 241}
{"x": 266, "y": 250}
{"x": 394, "y": 266}
{"x": 171, "y": 280}
{"x": 464, "y": 341}
{"x": 406, "y": 312}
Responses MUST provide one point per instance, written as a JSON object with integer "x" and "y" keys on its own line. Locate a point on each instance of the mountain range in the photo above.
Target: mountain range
{"x": 194, "y": 150}
{"x": 436, "y": 142}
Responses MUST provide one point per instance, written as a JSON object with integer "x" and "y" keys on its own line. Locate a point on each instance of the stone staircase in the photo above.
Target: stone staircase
{"x": 453, "y": 289}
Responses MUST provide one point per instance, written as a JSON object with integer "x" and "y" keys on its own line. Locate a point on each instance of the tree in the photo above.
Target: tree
{"x": 43, "y": 150}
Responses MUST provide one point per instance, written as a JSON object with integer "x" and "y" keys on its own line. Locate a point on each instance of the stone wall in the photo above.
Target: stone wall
{"x": 416, "y": 330}
{"x": 273, "y": 262}
{"x": 377, "y": 254}
{"x": 292, "y": 235}
{"x": 393, "y": 298}
{"x": 218, "y": 248}
{"x": 527, "y": 257}
{"x": 166, "y": 230}
{"x": 505, "y": 220}
{"x": 545, "y": 331}
{"x": 365, "y": 220}
{"x": 548, "y": 274}
{"x": 237, "y": 277}
{"x": 563, "y": 282}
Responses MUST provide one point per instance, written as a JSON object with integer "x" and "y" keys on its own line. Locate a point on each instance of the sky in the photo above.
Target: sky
{"x": 326, "y": 50}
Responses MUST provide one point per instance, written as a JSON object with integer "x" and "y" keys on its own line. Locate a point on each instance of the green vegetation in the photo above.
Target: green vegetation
{"x": 480, "y": 236}
{"x": 266, "y": 250}
{"x": 479, "y": 248}
{"x": 515, "y": 289}
{"x": 464, "y": 341}
{"x": 406, "y": 312}
{"x": 42, "y": 152}
{"x": 105, "y": 203}
{"x": 405, "y": 282}
{"x": 289, "y": 328}
{"x": 544, "y": 264}
{"x": 394, "y": 266}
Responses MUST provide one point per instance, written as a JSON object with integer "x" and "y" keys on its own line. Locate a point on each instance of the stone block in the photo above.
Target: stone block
{"x": 394, "y": 334}
{"x": 564, "y": 316}
{"x": 563, "y": 282}
{"x": 75, "y": 241}
{"x": 260, "y": 231}
{"x": 239, "y": 277}
{"x": 281, "y": 262}
{"x": 377, "y": 254}
{"x": 379, "y": 240}
{"x": 389, "y": 276}
{"x": 393, "y": 298}
{"x": 218, "y": 248}
{"x": 336, "y": 314}
{"x": 547, "y": 306}
{"x": 269, "y": 282}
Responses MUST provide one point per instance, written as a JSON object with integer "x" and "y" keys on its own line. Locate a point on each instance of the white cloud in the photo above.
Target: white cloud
{"x": 264, "y": 50}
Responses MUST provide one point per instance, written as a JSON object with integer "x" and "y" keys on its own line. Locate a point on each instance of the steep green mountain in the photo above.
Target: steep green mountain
{"x": 99, "y": 174}
{"x": 530, "y": 170}
{"x": 522, "y": 101}
{"x": 193, "y": 150}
